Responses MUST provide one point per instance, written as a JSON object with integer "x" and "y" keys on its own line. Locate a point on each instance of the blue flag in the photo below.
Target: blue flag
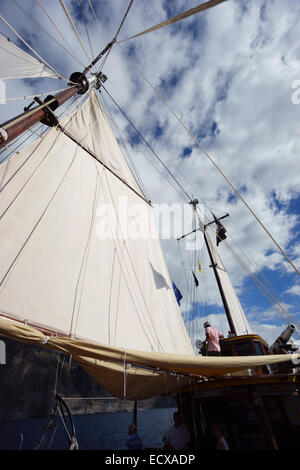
{"x": 177, "y": 293}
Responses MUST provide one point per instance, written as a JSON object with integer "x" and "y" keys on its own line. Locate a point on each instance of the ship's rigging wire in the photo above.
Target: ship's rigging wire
{"x": 144, "y": 155}
{"x": 122, "y": 134}
{"x": 69, "y": 108}
{"x": 174, "y": 19}
{"x": 83, "y": 266}
{"x": 58, "y": 75}
{"x": 16, "y": 98}
{"x": 23, "y": 247}
{"x": 264, "y": 289}
{"x": 211, "y": 160}
{"x": 184, "y": 127}
{"x": 94, "y": 14}
{"x": 45, "y": 30}
{"x": 86, "y": 28}
{"x": 272, "y": 299}
{"x": 147, "y": 144}
{"x": 150, "y": 160}
{"x": 73, "y": 53}
{"x": 74, "y": 27}
{"x": 38, "y": 126}
{"x": 126, "y": 276}
{"x": 192, "y": 295}
{"x": 132, "y": 266}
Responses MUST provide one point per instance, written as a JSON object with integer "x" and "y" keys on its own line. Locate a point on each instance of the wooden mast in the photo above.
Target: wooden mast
{"x": 78, "y": 84}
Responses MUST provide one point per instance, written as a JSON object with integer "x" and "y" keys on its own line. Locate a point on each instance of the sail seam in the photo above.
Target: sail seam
{"x": 58, "y": 75}
{"x": 85, "y": 257}
{"x": 21, "y": 250}
{"x": 125, "y": 280}
{"x": 140, "y": 289}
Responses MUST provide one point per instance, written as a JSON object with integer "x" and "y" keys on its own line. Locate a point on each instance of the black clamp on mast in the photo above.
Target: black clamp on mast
{"x": 78, "y": 84}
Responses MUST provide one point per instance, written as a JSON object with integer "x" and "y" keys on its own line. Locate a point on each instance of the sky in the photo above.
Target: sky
{"x": 232, "y": 74}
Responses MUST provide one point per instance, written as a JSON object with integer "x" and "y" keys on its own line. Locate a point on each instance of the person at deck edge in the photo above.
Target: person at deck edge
{"x": 212, "y": 339}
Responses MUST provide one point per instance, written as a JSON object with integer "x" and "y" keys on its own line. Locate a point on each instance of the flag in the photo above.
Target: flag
{"x": 221, "y": 231}
{"x": 177, "y": 293}
{"x": 199, "y": 267}
{"x": 195, "y": 279}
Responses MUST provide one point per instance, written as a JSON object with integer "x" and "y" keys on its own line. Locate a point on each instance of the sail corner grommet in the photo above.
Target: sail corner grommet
{"x": 81, "y": 80}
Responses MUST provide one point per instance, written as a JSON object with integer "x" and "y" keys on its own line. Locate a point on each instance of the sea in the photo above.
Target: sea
{"x": 98, "y": 431}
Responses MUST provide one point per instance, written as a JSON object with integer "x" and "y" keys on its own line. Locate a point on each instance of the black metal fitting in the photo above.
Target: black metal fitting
{"x": 80, "y": 79}
{"x": 50, "y": 119}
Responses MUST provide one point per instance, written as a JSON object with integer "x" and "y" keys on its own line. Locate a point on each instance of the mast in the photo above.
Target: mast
{"x": 21, "y": 123}
{"x": 11, "y": 129}
{"x": 225, "y": 304}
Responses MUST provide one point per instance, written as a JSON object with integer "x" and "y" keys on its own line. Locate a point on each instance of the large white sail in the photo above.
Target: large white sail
{"x": 236, "y": 311}
{"x": 106, "y": 300}
{"x": 16, "y": 63}
{"x": 62, "y": 266}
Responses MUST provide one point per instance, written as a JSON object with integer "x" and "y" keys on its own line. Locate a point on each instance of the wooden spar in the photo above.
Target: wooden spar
{"x": 19, "y": 124}
{"x": 23, "y": 122}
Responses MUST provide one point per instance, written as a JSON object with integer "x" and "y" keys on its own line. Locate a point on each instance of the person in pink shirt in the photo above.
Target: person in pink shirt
{"x": 212, "y": 339}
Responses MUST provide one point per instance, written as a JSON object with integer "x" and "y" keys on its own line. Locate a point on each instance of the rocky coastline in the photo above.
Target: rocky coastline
{"x": 31, "y": 375}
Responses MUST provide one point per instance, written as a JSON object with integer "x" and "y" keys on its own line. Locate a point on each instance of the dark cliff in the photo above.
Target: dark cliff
{"x": 30, "y": 376}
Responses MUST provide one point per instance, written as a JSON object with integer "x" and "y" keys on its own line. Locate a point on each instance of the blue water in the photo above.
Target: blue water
{"x": 99, "y": 431}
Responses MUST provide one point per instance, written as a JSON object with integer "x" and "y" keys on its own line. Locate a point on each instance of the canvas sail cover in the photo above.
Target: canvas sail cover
{"x": 125, "y": 372}
{"x": 239, "y": 319}
{"x": 16, "y": 63}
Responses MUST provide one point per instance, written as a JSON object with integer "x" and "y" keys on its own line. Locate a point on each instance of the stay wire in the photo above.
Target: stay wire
{"x": 237, "y": 193}
{"x": 73, "y": 53}
{"x": 148, "y": 145}
{"x": 171, "y": 183}
{"x": 44, "y": 29}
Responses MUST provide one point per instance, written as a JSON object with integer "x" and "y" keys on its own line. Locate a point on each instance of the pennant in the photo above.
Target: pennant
{"x": 195, "y": 279}
{"x": 177, "y": 293}
{"x": 199, "y": 267}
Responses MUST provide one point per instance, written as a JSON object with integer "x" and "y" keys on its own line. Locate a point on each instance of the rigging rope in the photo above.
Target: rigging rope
{"x": 133, "y": 269}
{"x": 30, "y": 96}
{"x": 23, "y": 247}
{"x": 148, "y": 145}
{"x": 42, "y": 28}
{"x": 144, "y": 155}
{"x": 58, "y": 75}
{"x": 212, "y": 161}
{"x": 124, "y": 18}
{"x": 94, "y": 14}
{"x": 174, "y": 19}
{"x": 73, "y": 27}
{"x": 126, "y": 276}
{"x": 86, "y": 28}
{"x": 73, "y": 53}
